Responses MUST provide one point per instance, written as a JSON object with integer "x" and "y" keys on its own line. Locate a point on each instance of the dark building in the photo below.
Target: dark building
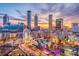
{"x": 75, "y": 28}
{"x": 12, "y": 28}
{"x": 7, "y": 29}
{"x": 59, "y": 23}
{"x": 29, "y": 19}
{"x": 5, "y": 19}
{"x": 36, "y": 21}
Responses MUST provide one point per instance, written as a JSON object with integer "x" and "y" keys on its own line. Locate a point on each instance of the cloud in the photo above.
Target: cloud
{"x": 66, "y": 9}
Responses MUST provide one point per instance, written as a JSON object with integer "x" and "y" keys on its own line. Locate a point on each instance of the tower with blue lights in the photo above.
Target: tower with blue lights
{"x": 29, "y": 19}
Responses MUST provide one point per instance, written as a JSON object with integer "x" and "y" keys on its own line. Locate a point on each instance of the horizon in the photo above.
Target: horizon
{"x": 68, "y": 11}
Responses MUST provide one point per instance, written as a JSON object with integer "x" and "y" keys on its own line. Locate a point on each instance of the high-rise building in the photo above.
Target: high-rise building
{"x": 59, "y": 23}
{"x": 5, "y": 19}
{"x": 36, "y": 21}
{"x": 50, "y": 22}
{"x": 50, "y": 25}
{"x": 29, "y": 19}
{"x": 75, "y": 27}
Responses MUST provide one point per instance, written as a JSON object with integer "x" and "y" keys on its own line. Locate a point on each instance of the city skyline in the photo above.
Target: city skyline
{"x": 68, "y": 11}
{"x": 43, "y": 29}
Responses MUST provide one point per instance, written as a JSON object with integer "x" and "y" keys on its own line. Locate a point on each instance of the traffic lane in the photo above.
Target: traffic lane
{"x": 30, "y": 50}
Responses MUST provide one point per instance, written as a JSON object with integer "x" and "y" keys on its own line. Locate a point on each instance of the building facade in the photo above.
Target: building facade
{"x": 29, "y": 19}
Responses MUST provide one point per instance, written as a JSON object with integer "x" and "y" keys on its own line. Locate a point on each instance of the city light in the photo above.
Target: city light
{"x": 33, "y": 35}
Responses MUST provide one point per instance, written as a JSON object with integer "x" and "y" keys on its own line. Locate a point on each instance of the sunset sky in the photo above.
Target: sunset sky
{"x": 68, "y": 11}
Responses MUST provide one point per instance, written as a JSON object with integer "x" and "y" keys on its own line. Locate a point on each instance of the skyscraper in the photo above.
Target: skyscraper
{"x": 50, "y": 22}
{"x": 5, "y": 19}
{"x": 50, "y": 25}
{"x": 59, "y": 23}
{"x": 29, "y": 19}
{"x": 75, "y": 27}
{"x": 36, "y": 21}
